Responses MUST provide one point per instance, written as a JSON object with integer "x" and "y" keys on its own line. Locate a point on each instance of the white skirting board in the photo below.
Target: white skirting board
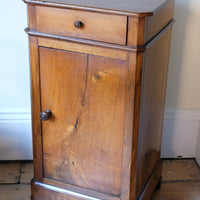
{"x": 181, "y": 135}
{"x": 15, "y": 136}
{"x": 198, "y": 149}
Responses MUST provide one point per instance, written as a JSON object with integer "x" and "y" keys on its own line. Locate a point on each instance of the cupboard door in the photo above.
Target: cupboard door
{"x": 83, "y": 140}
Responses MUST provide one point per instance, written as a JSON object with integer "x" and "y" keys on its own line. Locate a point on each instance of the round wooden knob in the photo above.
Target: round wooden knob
{"x": 45, "y": 115}
{"x": 78, "y": 24}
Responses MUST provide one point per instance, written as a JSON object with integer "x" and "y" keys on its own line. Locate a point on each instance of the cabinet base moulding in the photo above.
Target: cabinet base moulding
{"x": 42, "y": 191}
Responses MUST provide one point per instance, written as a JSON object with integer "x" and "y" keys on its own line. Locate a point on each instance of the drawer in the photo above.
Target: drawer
{"x": 93, "y": 26}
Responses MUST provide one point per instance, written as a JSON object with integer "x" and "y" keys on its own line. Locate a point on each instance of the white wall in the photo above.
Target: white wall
{"x": 183, "y": 83}
{"x": 181, "y": 134}
{"x": 15, "y": 129}
{"x": 182, "y": 122}
{"x": 198, "y": 149}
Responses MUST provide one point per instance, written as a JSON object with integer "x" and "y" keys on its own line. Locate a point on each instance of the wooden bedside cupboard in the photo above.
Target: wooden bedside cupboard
{"x": 99, "y": 74}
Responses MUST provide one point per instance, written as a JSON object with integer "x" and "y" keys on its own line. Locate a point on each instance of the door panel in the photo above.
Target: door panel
{"x": 83, "y": 141}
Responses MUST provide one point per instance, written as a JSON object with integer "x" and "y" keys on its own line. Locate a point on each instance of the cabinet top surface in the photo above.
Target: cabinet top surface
{"x": 128, "y": 6}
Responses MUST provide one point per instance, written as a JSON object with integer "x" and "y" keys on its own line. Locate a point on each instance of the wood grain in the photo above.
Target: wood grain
{"x": 41, "y": 191}
{"x": 180, "y": 170}
{"x": 14, "y": 191}
{"x": 154, "y": 81}
{"x": 159, "y": 21}
{"x": 140, "y": 8}
{"x": 85, "y": 41}
{"x": 26, "y": 173}
{"x": 78, "y": 190}
{"x": 9, "y": 173}
{"x": 36, "y": 123}
{"x": 142, "y": 30}
{"x": 136, "y": 116}
{"x": 105, "y": 84}
{"x": 85, "y": 122}
{"x": 84, "y": 48}
{"x": 153, "y": 181}
{"x": 126, "y": 185}
{"x": 96, "y": 26}
{"x": 182, "y": 190}
{"x": 173, "y": 189}
{"x": 31, "y": 17}
{"x": 136, "y": 31}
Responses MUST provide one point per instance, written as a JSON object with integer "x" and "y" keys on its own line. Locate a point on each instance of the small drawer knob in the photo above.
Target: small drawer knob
{"x": 45, "y": 115}
{"x": 78, "y": 24}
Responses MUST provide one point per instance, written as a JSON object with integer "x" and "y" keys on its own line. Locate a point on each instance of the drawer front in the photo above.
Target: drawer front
{"x": 93, "y": 26}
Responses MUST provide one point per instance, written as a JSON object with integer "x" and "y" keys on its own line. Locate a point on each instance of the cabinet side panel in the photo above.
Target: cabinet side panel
{"x": 83, "y": 142}
{"x": 154, "y": 81}
{"x": 142, "y": 30}
{"x": 157, "y": 22}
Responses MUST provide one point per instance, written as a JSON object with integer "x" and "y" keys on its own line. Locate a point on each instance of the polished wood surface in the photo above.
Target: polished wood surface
{"x": 136, "y": 31}
{"x": 36, "y": 123}
{"x": 153, "y": 182}
{"x": 142, "y": 30}
{"x": 136, "y": 121}
{"x": 105, "y": 86}
{"x": 84, "y": 48}
{"x": 154, "y": 82}
{"x": 140, "y": 8}
{"x": 159, "y": 21}
{"x": 79, "y": 190}
{"x": 84, "y": 121}
{"x": 43, "y": 192}
{"x": 96, "y": 26}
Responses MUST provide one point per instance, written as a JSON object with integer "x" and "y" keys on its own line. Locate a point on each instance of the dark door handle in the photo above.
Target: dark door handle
{"x": 45, "y": 115}
{"x": 78, "y": 24}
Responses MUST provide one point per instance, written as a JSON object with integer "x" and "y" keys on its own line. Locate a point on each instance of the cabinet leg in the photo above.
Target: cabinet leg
{"x": 159, "y": 184}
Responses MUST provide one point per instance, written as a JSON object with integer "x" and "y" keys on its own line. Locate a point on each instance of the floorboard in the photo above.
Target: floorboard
{"x": 181, "y": 180}
{"x": 178, "y": 191}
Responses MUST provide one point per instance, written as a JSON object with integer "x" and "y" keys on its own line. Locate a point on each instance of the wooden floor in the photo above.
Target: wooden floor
{"x": 181, "y": 181}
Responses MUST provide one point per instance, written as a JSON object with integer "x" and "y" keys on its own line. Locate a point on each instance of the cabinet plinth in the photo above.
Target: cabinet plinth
{"x": 99, "y": 77}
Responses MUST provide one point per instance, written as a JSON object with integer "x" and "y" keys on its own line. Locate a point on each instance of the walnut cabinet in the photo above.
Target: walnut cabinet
{"x": 99, "y": 74}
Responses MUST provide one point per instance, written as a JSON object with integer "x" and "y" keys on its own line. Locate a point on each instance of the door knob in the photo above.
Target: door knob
{"x": 78, "y": 24}
{"x": 45, "y": 115}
